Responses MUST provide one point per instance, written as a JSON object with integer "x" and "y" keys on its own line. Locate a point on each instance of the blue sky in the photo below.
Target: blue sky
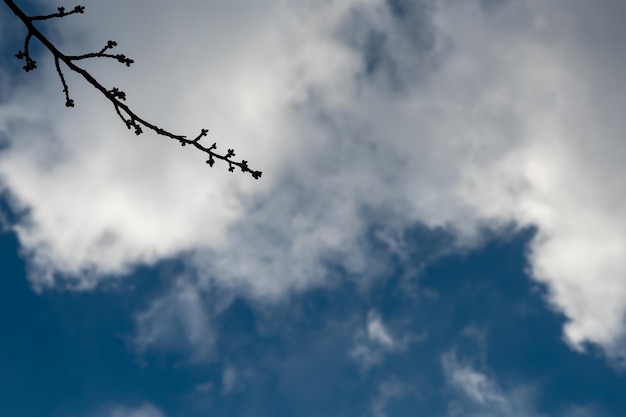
{"x": 68, "y": 354}
{"x": 439, "y": 229}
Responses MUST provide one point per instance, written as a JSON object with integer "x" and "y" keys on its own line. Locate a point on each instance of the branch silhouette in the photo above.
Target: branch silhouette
{"x": 114, "y": 95}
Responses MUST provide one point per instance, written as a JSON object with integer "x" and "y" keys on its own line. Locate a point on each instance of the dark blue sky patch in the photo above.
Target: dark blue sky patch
{"x": 68, "y": 353}
{"x": 9, "y": 214}
{"x": 521, "y": 336}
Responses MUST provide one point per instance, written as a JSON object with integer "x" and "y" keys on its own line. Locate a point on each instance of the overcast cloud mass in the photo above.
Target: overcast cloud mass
{"x": 477, "y": 118}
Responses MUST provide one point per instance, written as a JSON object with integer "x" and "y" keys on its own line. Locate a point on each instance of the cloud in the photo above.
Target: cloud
{"x": 372, "y": 343}
{"x": 375, "y": 341}
{"x": 388, "y": 391}
{"x": 229, "y": 379}
{"x": 474, "y": 385}
{"x": 145, "y": 410}
{"x": 178, "y": 321}
{"x": 482, "y": 395}
{"x": 378, "y": 333}
{"x": 476, "y": 117}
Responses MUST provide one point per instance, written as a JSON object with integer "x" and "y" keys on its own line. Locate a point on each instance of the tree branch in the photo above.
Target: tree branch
{"x": 114, "y": 95}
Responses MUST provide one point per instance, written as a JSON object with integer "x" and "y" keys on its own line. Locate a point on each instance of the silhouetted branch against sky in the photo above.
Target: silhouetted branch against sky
{"x": 114, "y": 95}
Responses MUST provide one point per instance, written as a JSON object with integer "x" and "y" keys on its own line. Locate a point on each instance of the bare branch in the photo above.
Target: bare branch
{"x": 30, "y": 63}
{"x": 114, "y": 95}
{"x": 68, "y": 101}
{"x": 61, "y": 13}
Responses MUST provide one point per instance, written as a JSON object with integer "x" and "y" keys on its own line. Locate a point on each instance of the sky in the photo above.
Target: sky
{"x": 439, "y": 229}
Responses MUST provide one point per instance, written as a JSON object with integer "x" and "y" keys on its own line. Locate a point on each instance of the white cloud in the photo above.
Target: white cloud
{"x": 481, "y": 118}
{"x": 473, "y": 384}
{"x": 178, "y": 321}
{"x": 145, "y": 410}
{"x": 378, "y": 333}
{"x": 373, "y": 342}
{"x": 481, "y": 395}
{"x": 229, "y": 379}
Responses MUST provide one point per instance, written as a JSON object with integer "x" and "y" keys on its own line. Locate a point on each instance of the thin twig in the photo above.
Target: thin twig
{"x": 68, "y": 101}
